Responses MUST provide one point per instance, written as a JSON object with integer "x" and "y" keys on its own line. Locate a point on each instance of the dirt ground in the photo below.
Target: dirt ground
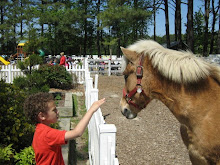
{"x": 153, "y": 138}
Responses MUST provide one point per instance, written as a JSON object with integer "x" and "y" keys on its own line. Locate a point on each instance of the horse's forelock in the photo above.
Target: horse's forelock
{"x": 144, "y": 46}
{"x": 139, "y": 47}
{"x": 124, "y": 63}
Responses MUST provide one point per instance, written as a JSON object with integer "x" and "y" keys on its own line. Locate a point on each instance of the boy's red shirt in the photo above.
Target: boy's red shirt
{"x": 47, "y": 145}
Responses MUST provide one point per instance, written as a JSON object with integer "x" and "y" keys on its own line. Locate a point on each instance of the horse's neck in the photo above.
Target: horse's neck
{"x": 189, "y": 103}
{"x": 169, "y": 93}
{"x": 165, "y": 90}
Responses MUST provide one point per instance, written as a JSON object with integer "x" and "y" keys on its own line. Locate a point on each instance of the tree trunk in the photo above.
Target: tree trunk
{"x": 21, "y": 27}
{"x": 213, "y": 26}
{"x": 219, "y": 28}
{"x": 167, "y": 24}
{"x": 119, "y": 41}
{"x": 135, "y": 29}
{"x": 98, "y": 30}
{"x": 42, "y": 26}
{"x": 2, "y": 31}
{"x": 190, "y": 35}
{"x": 85, "y": 29}
{"x": 175, "y": 25}
{"x": 178, "y": 23}
{"x": 154, "y": 21}
{"x": 206, "y": 35}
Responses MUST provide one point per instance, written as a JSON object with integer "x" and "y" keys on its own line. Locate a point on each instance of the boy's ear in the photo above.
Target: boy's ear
{"x": 41, "y": 116}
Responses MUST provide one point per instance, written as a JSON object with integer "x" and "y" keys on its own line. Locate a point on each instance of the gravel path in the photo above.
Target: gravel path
{"x": 153, "y": 138}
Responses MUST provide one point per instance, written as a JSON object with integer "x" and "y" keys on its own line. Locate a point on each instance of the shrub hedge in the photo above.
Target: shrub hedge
{"x": 15, "y": 128}
{"x": 56, "y": 76}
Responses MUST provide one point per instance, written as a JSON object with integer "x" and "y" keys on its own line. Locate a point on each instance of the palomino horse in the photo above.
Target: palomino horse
{"x": 187, "y": 85}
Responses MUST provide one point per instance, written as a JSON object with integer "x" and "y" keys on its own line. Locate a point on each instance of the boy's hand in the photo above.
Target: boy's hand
{"x": 95, "y": 106}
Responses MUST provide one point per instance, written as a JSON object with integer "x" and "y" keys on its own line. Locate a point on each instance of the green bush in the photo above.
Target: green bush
{"x": 21, "y": 82}
{"x": 46, "y": 76}
{"x": 6, "y": 154}
{"x": 25, "y": 156}
{"x": 56, "y": 76}
{"x": 57, "y": 97}
{"x": 10, "y": 157}
{"x": 32, "y": 83}
{"x": 15, "y": 128}
{"x": 27, "y": 65}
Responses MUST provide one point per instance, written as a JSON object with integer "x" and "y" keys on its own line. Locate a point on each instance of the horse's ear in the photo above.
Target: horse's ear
{"x": 130, "y": 55}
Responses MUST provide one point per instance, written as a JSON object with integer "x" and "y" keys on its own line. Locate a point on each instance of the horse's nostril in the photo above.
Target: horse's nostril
{"x": 125, "y": 110}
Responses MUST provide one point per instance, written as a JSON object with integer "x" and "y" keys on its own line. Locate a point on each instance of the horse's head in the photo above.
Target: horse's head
{"x": 149, "y": 69}
{"x": 135, "y": 92}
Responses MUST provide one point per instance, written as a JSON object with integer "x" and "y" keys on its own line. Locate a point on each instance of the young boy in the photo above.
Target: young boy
{"x": 40, "y": 108}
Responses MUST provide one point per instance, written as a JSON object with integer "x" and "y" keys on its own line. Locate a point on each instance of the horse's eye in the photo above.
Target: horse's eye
{"x": 131, "y": 63}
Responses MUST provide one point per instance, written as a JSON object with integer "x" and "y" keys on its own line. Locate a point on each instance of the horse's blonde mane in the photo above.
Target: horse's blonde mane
{"x": 178, "y": 66}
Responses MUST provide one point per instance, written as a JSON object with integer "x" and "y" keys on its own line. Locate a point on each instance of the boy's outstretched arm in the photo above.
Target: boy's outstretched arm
{"x": 81, "y": 126}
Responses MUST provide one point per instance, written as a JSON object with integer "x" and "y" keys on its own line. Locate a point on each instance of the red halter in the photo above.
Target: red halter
{"x": 137, "y": 89}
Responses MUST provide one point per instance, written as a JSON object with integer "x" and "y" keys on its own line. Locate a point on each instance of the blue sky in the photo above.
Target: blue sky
{"x": 160, "y": 18}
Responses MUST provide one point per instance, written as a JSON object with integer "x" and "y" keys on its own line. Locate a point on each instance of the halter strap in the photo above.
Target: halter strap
{"x": 128, "y": 96}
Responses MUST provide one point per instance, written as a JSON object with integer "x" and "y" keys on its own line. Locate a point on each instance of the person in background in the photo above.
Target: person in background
{"x": 91, "y": 63}
{"x": 40, "y": 108}
{"x": 50, "y": 62}
{"x": 102, "y": 67}
{"x": 68, "y": 60}
{"x": 74, "y": 63}
{"x": 55, "y": 62}
{"x": 62, "y": 59}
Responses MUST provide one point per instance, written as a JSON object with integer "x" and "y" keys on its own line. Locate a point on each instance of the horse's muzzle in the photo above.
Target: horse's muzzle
{"x": 125, "y": 110}
{"x": 128, "y": 114}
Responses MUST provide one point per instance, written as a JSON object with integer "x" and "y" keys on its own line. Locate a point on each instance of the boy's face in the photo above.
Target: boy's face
{"x": 52, "y": 114}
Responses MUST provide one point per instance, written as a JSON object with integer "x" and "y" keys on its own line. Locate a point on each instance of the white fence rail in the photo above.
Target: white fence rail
{"x": 105, "y": 66}
{"x": 9, "y": 72}
{"x": 102, "y": 136}
{"x": 79, "y": 70}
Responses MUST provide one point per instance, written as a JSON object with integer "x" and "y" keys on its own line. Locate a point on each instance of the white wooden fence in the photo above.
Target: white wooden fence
{"x": 9, "y": 72}
{"x": 105, "y": 66}
{"x": 79, "y": 69}
{"x": 102, "y": 136}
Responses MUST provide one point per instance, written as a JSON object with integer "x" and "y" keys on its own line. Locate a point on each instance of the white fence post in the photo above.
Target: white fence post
{"x": 9, "y": 74}
{"x": 102, "y": 136}
{"x": 109, "y": 67}
{"x": 89, "y": 86}
{"x": 86, "y": 64}
{"x": 107, "y": 142}
{"x": 93, "y": 139}
{"x": 96, "y": 81}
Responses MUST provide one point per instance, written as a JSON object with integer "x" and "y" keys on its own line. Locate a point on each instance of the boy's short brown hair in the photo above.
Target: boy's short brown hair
{"x": 35, "y": 104}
